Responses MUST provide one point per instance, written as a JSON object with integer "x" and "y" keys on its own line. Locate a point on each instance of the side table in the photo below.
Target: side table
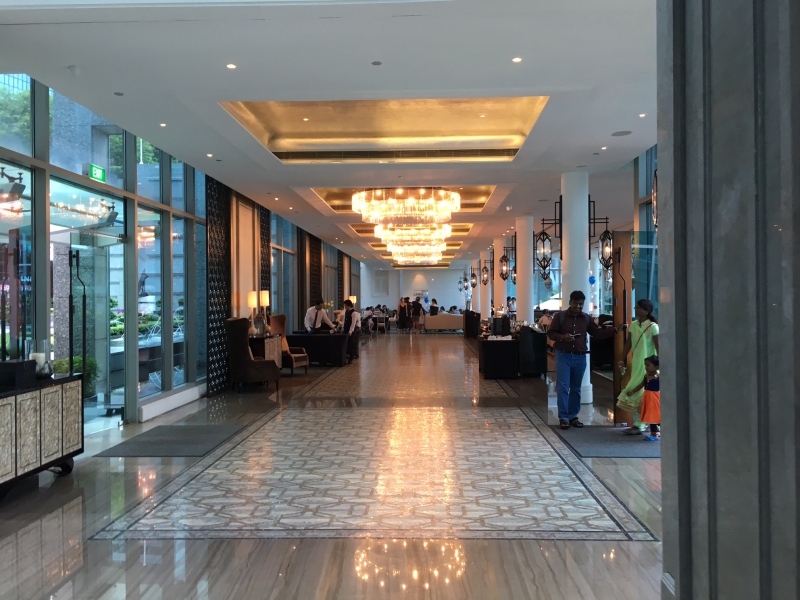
{"x": 269, "y": 347}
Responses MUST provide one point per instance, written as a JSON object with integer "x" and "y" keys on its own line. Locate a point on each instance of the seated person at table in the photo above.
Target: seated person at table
{"x": 434, "y": 308}
{"x": 453, "y": 310}
{"x": 317, "y": 320}
{"x": 545, "y": 320}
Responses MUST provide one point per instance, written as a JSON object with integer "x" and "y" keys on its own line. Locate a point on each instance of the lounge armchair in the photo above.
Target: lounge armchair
{"x": 244, "y": 368}
{"x": 295, "y": 356}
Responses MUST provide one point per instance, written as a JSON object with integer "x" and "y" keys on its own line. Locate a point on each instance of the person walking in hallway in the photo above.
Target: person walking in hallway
{"x": 641, "y": 343}
{"x": 568, "y": 330}
{"x": 315, "y": 317}
{"x": 416, "y": 313}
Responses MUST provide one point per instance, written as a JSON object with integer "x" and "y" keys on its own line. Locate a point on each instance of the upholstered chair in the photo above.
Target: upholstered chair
{"x": 296, "y": 357}
{"x": 244, "y": 368}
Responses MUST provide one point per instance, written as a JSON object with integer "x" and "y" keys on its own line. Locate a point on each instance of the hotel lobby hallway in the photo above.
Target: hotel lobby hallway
{"x": 404, "y": 475}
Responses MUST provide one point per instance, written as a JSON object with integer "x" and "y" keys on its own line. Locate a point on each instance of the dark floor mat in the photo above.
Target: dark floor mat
{"x": 608, "y": 442}
{"x": 174, "y": 440}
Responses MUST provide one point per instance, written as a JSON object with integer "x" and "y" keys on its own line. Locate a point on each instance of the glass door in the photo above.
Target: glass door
{"x": 88, "y": 279}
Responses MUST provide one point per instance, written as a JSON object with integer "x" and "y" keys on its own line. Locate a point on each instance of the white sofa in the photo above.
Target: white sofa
{"x": 443, "y": 321}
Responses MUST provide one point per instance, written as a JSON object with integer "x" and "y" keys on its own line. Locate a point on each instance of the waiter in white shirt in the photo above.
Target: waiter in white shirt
{"x": 315, "y": 317}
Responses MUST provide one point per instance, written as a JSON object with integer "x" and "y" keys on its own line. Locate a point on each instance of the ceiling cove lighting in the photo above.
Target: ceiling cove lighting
{"x": 406, "y": 206}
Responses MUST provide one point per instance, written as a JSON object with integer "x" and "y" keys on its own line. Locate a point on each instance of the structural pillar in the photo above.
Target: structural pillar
{"x": 525, "y": 274}
{"x": 729, "y": 268}
{"x": 575, "y": 251}
{"x": 499, "y": 287}
{"x": 486, "y": 290}
{"x": 476, "y": 292}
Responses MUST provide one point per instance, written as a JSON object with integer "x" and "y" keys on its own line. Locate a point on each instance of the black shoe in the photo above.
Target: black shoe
{"x": 564, "y": 424}
{"x": 575, "y": 423}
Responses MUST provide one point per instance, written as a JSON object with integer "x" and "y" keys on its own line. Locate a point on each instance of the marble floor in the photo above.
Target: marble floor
{"x": 402, "y": 475}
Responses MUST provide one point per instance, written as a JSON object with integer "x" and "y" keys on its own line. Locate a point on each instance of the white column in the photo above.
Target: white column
{"x": 476, "y": 293}
{"x": 524, "y": 261}
{"x": 499, "y": 288}
{"x": 486, "y": 290}
{"x": 575, "y": 250}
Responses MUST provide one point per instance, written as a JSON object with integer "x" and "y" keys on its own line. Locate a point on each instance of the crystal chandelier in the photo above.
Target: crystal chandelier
{"x": 413, "y": 234}
{"x": 406, "y": 206}
{"x": 417, "y": 253}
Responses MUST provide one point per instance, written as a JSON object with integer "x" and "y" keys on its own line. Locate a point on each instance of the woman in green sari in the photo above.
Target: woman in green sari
{"x": 642, "y": 342}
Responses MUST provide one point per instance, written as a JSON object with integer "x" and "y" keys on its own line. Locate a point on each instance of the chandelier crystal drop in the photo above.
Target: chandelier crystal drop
{"x": 406, "y": 206}
{"x": 413, "y": 234}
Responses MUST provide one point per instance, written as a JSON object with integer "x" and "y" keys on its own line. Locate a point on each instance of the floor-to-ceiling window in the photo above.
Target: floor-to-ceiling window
{"x": 16, "y": 113}
{"x": 16, "y": 260}
{"x": 330, "y": 278}
{"x": 143, "y": 283}
{"x": 284, "y": 265}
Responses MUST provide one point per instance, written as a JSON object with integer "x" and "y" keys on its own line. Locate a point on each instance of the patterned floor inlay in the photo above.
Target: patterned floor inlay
{"x": 426, "y": 367}
{"x": 482, "y": 473}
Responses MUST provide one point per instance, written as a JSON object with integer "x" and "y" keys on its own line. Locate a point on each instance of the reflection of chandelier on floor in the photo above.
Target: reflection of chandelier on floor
{"x": 389, "y": 566}
{"x": 406, "y": 206}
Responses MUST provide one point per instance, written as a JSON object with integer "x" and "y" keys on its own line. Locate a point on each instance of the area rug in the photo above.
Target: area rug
{"x": 607, "y": 442}
{"x": 174, "y": 440}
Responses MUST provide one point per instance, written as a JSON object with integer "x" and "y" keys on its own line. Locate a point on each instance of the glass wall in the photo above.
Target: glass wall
{"x": 16, "y": 260}
{"x": 178, "y": 191}
{"x": 151, "y": 337}
{"x": 148, "y": 170}
{"x": 284, "y": 264}
{"x": 199, "y": 194}
{"x": 179, "y": 341}
{"x": 121, "y": 273}
{"x": 645, "y": 268}
{"x": 16, "y": 113}
{"x": 81, "y": 139}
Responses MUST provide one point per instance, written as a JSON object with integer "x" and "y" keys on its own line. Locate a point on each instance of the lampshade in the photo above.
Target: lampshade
{"x": 252, "y": 299}
{"x": 264, "y": 297}
{"x": 352, "y": 299}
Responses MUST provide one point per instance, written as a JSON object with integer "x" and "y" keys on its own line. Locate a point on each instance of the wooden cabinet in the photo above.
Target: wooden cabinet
{"x": 40, "y": 427}
{"x": 29, "y": 433}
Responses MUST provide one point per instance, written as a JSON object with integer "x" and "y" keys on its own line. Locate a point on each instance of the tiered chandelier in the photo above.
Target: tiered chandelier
{"x": 412, "y": 222}
{"x": 406, "y": 206}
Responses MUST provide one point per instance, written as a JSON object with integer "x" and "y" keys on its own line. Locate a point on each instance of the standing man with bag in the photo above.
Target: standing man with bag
{"x": 352, "y": 327}
{"x": 568, "y": 330}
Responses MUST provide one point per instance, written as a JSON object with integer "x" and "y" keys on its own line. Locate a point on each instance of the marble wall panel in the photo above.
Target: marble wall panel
{"x": 51, "y": 423}
{"x": 8, "y": 464}
{"x": 72, "y": 417}
{"x": 29, "y": 416}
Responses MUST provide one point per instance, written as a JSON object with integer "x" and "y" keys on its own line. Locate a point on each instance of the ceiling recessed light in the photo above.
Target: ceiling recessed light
{"x": 119, "y": 94}
{"x": 163, "y": 124}
{"x": 210, "y": 155}
{"x": 231, "y": 66}
{"x": 376, "y": 63}
{"x": 595, "y": 154}
{"x": 290, "y": 208}
{"x": 604, "y": 148}
{"x": 621, "y": 133}
{"x": 642, "y": 116}
{"x": 219, "y": 160}
{"x": 483, "y": 116}
{"x": 516, "y": 59}
{"x": 305, "y": 119}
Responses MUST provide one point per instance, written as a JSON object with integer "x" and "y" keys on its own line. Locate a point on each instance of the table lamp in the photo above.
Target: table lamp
{"x": 252, "y": 303}
{"x": 264, "y": 301}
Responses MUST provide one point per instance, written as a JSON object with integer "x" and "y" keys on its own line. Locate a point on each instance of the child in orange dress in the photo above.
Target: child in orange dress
{"x": 651, "y": 402}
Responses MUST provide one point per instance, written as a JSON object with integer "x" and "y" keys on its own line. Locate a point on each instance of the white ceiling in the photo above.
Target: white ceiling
{"x": 596, "y": 61}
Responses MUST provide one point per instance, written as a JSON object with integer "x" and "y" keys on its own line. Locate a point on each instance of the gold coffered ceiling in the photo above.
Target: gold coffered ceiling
{"x": 426, "y": 130}
{"x": 473, "y": 197}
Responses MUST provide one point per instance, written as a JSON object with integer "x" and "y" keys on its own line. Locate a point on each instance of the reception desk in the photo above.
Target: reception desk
{"x": 40, "y": 427}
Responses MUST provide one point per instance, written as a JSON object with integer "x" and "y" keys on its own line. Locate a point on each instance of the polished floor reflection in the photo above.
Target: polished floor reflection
{"x": 396, "y": 493}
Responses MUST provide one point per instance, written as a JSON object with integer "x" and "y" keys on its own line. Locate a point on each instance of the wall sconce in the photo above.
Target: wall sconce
{"x": 544, "y": 253}
{"x": 460, "y": 284}
{"x": 473, "y": 280}
{"x": 514, "y": 275}
{"x": 485, "y": 275}
{"x": 606, "y": 249}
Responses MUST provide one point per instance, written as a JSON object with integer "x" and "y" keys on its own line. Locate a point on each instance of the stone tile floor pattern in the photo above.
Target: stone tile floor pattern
{"x": 432, "y": 370}
{"x": 400, "y": 472}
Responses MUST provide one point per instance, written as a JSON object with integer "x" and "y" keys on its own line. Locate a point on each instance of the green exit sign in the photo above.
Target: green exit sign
{"x": 94, "y": 172}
